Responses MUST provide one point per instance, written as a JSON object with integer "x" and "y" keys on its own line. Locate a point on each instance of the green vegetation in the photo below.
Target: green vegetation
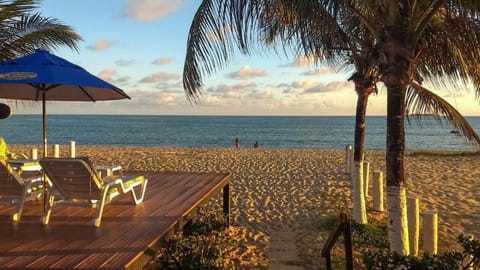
{"x": 372, "y": 242}
{"x": 203, "y": 244}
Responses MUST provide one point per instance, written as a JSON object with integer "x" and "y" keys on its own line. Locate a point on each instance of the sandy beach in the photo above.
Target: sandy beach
{"x": 290, "y": 190}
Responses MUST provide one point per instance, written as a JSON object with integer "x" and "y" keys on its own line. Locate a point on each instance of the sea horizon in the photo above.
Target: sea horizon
{"x": 311, "y": 132}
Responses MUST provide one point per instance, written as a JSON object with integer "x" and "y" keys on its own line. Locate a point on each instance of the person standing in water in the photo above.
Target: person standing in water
{"x": 237, "y": 142}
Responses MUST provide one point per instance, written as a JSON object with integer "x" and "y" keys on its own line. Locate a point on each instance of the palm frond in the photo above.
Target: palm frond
{"x": 420, "y": 101}
{"x": 303, "y": 27}
{"x": 453, "y": 59}
{"x": 34, "y": 31}
{"x": 9, "y": 10}
{"x": 209, "y": 45}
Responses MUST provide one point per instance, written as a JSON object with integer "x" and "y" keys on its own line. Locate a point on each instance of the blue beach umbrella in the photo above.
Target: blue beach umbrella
{"x": 42, "y": 76}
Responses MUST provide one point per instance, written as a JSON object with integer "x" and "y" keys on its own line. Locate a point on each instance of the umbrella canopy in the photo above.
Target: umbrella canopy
{"x": 42, "y": 76}
{"x": 31, "y": 76}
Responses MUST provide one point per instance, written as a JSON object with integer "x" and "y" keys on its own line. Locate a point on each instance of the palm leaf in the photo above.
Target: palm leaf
{"x": 420, "y": 101}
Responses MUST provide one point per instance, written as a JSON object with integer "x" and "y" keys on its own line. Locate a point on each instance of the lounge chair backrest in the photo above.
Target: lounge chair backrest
{"x": 75, "y": 178}
{"x": 10, "y": 182}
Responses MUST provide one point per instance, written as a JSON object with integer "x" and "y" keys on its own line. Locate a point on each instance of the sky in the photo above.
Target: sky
{"x": 140, "y": 45}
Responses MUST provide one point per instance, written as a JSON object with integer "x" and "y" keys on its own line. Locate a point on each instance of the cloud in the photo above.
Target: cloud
{"x": 160, "y": 77}
{"x": 303, "y": 84}
{"x": 101, "y": 45}
{"x": 320, "y": 71}
{"x": 122, "y": 80}
{"x": 302, "y": 61}
{"x": 211, "y": 101}
{"x": 154, "y": 98}
{"x": 107, "y": 74}
{"x": 149, "y": 10}
{"x": 222, "y": 88}
{"x": 235, "y": 91}
{"x": 259, "y": 95}
{"x": 124, "y": 62}
{"x": 329, "y": 87}
{"x": 247, "y": 72}
{"x": 162, "y": 61}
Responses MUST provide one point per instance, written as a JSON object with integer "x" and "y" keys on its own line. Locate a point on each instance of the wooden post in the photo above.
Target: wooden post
{"x": 34, "y": 154}
{"x": 348, "y": 163}
{"x": 366, "y": 177}
{"x": 352, "y": 161}
{"x": 342, "y": 227}
{"x": 430, "y": 232}
{"x": 413, "y": 217}
{"x": 72, "y": 149}
{"x": 226, "y": 204}
{"x": 56, "y": 151}
{"x": 347, "y": 238}
{"x": 378, "y": 191}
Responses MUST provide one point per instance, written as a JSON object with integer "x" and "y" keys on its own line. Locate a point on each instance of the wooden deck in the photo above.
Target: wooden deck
{"x": 125, "y": 236}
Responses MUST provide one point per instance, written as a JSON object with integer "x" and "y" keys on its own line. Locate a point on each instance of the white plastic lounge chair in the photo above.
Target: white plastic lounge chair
{"x": 76, "y": 179}
{"x": 20, "y": 188}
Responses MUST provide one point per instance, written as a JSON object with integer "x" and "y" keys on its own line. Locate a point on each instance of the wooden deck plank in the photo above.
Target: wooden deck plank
{"x": 71, "y": 242}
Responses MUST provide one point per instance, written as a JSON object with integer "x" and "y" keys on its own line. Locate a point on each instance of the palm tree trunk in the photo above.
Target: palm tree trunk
{"x": 396, "y": 197}
{"x": 359, "y": 206}
{"x": 359, "y": 141}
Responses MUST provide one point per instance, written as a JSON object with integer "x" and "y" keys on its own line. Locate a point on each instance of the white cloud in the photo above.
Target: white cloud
{"x": 101, "y": 45}
{"x": 143, "y": 98}
{"x": 303, "y": 84}
{"x": 107, "y": 74}
{"x": 162, "y": 61}
{"x": 149, "y": 10}
{"x": 320, "y": 71}
{"x": 228, "y": 87}
{"x": 247, "y": 72}
{"x": 302, "y": 61}
{"x": 125, "y": 62}
{"x": 160, "y": 77}
{"x": 329, "y": 87}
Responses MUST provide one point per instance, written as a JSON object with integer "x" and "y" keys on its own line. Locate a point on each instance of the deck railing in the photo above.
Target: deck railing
{"x": 343, "y": 227}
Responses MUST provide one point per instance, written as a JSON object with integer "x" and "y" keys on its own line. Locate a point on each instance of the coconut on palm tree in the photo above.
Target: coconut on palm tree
{"x": 337, "y": 32}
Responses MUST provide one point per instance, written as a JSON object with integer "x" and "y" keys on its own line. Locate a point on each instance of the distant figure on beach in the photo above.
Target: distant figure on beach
{"x": 256, "y": 145}
{"x": 237, "y": 142}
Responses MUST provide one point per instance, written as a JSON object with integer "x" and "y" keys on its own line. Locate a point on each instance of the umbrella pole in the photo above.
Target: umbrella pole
{"x": 44, "y": 113}
{"x": 45, "y": 152}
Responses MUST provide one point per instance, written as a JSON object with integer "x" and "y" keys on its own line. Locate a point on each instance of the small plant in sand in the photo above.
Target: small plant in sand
{"x": 203, "y": 244}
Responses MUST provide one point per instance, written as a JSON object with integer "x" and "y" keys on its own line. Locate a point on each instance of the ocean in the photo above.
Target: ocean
{"x": 319, "y": 132}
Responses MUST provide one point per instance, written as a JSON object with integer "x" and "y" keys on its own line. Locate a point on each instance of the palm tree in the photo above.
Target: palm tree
{"x": 404, "y": 33}
{"x": 21, "y": 31}
{"x": 345, "y": 37}
{"x": 308, "y": 24}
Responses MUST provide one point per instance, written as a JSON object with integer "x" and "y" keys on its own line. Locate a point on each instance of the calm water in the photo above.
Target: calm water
{"x": 327, "y": 132}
